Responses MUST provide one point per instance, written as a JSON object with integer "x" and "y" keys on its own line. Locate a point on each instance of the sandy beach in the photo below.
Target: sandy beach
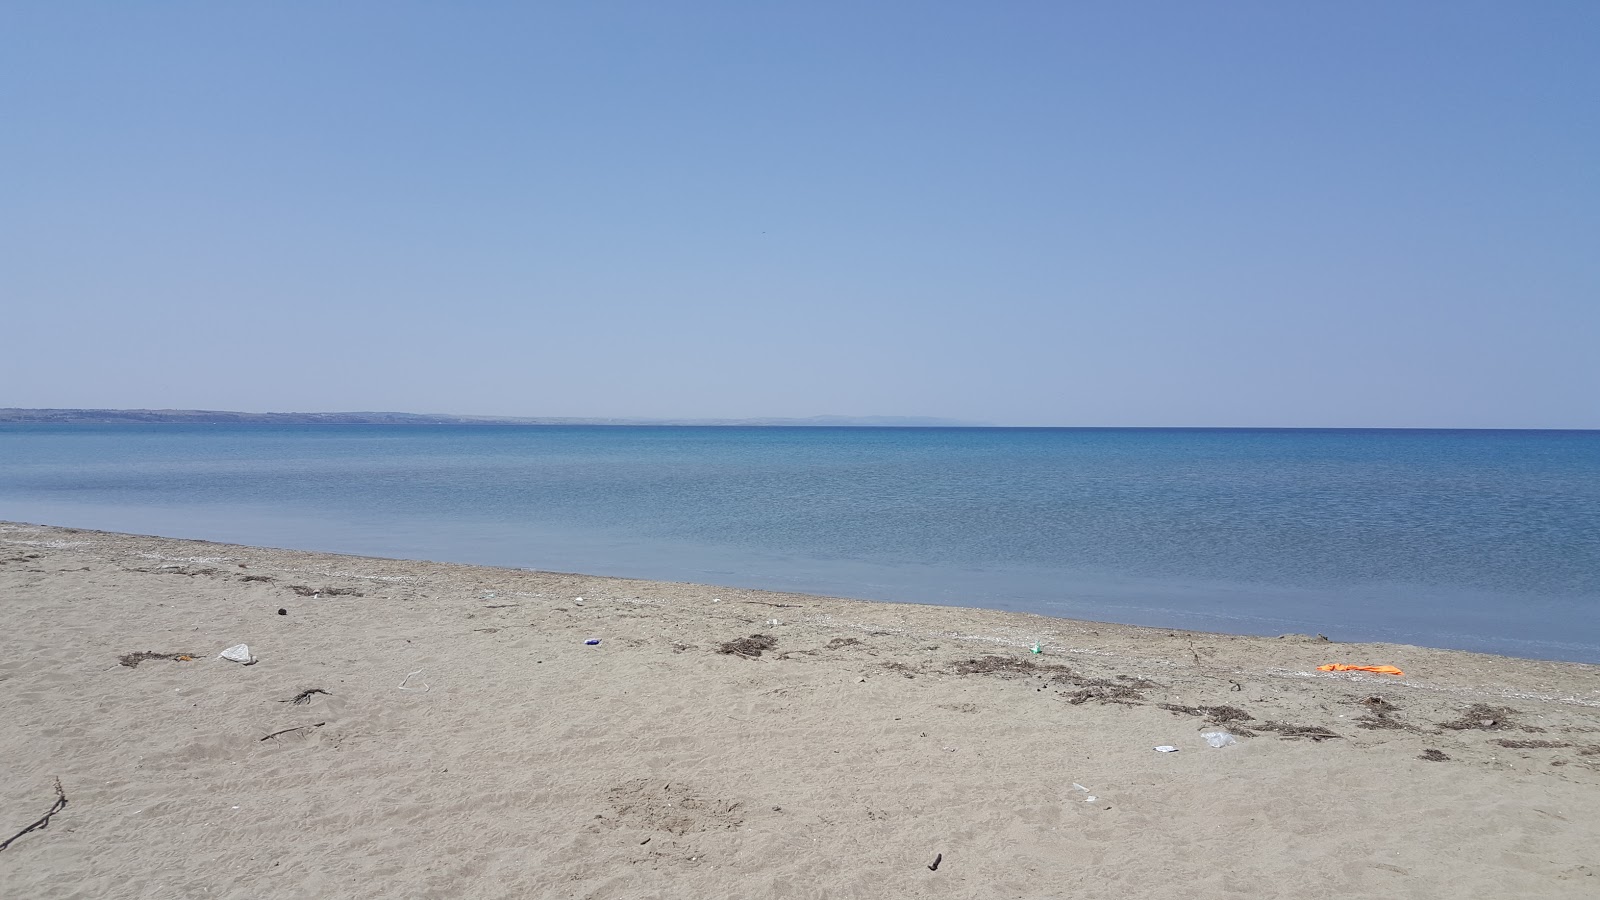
{"x": 413, "y": 729}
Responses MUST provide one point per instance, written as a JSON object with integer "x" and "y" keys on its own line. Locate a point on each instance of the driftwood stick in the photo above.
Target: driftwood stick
{"x": 44, "y": 820}
{"x": 296, "y": 728}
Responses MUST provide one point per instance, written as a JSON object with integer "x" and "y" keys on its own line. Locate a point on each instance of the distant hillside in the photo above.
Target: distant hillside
{"x": 226, "y": 417}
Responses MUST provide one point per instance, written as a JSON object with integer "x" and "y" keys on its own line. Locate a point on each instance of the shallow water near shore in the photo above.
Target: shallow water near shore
{"x": 1475, "y": 540}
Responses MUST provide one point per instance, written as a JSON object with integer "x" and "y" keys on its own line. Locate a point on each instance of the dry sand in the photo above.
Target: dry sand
{"x": 869, "y": 740}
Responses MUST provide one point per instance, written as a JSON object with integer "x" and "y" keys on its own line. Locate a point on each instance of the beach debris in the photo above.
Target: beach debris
{"x": 1101, "y": 691}
{"x": 1346, "y": 667}
{"x": 319, "y": 593}
{"x": 592, "y": 642}
{"x": 296, "y": 728}
{"x": 1089, "y": 799}
{"x": 43, "y": 821}
{"x": 424, "y": 689}
{"x": 282, "y": 611}
{"x": 1166, "y": 748}
{"x": 716, "y": 599}
{"x": 1219, "y": 739}
{"x": 1483, "y": 717}
{"x": 132, "y": 660}
{"x": 749, "y": 647}
{"x": 1216, "y": 715}
{"x": 577, "y": 601}
{"x": 1037, "y": 648}
{"x": 239, "y": 653}
{"x": 1432, "y": 755}
{"x": 774, "y": 621}
{"x": 1377, "y": 715}
{"x": 934, "y": 866}
{"x": 1007, "y": 666}
{"x": 1315, "y": 732}
{"x": 305, "y": 696}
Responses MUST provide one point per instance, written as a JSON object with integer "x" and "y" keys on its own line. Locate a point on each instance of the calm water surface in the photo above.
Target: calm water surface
{"x": 1471, "y": 539}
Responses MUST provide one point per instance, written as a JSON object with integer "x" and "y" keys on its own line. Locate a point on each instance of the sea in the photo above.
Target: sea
{"x": 1476, "y": 540}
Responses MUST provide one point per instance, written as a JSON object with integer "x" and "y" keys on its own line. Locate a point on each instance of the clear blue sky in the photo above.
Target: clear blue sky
{"x": 1049, "y": 213}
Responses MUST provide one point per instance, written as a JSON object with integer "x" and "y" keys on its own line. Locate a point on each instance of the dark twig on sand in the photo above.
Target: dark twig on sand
{"x": 305, "y": 696}
{"x": 44, "y": 820}
{"x": 937, "y": 858}
{"x": 296, "y": 728}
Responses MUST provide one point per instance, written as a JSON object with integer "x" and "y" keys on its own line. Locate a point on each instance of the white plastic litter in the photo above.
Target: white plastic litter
{"x": 404, "y": 687}
{"x": 1164, "y": 748}
{"x": 1219, "y": 739}
{"x": 774, "y": 621}
{"x": 239, "y": 653}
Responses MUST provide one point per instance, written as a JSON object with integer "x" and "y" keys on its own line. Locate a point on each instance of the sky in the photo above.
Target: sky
{"x": 1022, "y": 213}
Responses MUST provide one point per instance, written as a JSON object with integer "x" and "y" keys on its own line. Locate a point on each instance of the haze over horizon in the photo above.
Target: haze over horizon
{"x": 1023, "y": 214}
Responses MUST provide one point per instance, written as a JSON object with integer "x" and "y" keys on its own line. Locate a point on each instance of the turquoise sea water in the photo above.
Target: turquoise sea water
{"x": 1472, "y": 539}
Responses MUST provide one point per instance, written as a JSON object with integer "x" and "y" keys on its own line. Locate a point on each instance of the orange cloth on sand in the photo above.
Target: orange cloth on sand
{"x": 1341, "y": 667}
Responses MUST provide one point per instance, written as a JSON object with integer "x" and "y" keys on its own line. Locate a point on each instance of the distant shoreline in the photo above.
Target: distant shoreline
{"x": 24, "y": 416}
{"x": 231, "y": 417}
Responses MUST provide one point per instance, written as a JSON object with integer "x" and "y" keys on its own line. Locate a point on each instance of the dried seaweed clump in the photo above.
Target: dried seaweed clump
{"x": 1216, "y": 715}
{"x": 902, "y": 668}
{"x": 1010, "y": 665}
{"x": 749, "y": 647}
{"x": 1483, "y": 717}
{"x": 1314, "y": 732}
{"x": 132, "y": 660}
{"x": 1102, "y": 691}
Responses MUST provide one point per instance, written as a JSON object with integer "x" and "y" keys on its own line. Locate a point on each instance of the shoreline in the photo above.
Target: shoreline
{"x": 470, "y": 743}
{"x": 780, "y": 591}
{"x": 1059, "y": 628}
